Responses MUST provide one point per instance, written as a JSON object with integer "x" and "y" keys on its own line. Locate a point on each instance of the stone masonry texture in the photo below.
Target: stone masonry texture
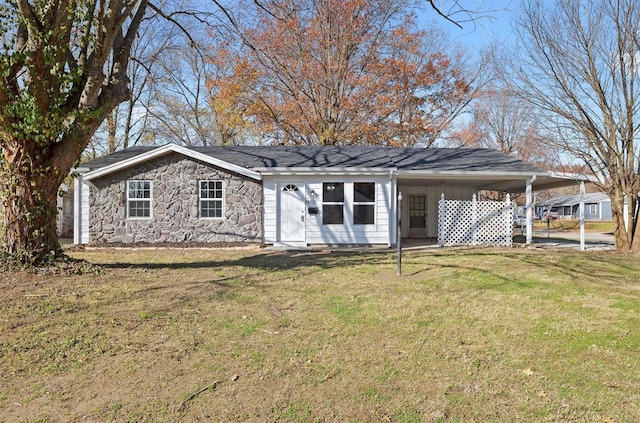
{"x": 174, "y": 202}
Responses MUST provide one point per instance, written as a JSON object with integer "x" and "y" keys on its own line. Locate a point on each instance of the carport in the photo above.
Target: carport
{"x": 423, "y": 177}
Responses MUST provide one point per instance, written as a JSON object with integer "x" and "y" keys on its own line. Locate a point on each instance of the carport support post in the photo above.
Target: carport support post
{"x": 582, "y": 190}
{"x": 529, "y": 200}
{"x": 399, "y": 234}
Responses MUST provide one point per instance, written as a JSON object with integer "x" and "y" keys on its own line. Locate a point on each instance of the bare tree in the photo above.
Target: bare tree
{"x": 180, "y": 109}
{"x": 577, "y": 62}
{"x": 463, "y": 12}
{"x": 168, "y": 101}
{"x": 507, "y": 123}
{"x": 126, "y": 124}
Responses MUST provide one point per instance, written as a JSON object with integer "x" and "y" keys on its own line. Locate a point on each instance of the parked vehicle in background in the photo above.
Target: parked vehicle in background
{"x": 519, "y": 220}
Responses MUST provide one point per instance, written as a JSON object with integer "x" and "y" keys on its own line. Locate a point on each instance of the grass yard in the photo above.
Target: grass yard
{"x": 574, "y": 225}
{"x": 467, "y": 335}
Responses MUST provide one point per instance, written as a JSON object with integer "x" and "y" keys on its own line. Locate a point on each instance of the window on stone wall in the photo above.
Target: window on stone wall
{"x": 364, "y": 203}
{"x": 139, "y": 199}
{"x": 332, "y": 203}
{"x": 211, "y": 199}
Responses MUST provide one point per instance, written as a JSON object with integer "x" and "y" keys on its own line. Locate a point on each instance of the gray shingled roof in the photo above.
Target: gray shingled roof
{"x": 572, "y": 200}
{"x": 409, "y": 159}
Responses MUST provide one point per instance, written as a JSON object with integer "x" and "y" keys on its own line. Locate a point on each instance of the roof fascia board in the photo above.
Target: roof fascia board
{"x": 435, "y": 174}
{"x": 170, "y": 148}
{"x": 574, "y": 176}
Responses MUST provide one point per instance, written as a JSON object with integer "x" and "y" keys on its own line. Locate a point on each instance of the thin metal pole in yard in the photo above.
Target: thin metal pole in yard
{"x": 399, "y": 234}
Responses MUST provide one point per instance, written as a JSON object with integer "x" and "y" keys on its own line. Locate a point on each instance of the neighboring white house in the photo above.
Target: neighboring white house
{"x": 296, "y": 195}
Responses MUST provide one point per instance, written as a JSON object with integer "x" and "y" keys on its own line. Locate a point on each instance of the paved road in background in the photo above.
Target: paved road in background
{"x": 575, "y": 236}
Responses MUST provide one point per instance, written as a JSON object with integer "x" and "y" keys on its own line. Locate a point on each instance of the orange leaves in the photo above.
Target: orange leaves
{"x": 336, "y": 71}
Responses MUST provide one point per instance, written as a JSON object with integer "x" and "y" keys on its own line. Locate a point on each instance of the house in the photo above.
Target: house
{"x": 285, "y": 195}
{"x": 597, "y": 206}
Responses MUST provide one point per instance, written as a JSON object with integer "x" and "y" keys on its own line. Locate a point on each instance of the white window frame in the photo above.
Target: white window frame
{"x": 364, "y": 203}
{"x": 334, "y": 203}
{"x": 593, "y": 209}
{"x": 139, "y": 199}
{"x": 201, "y": 198}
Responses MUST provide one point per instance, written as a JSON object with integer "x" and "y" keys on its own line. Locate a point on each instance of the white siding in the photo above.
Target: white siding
{"x": 433, "y": 194}
{"x": 315, "y": 231}
{"x": 84, "y": 213}
{"x": 270, "y": 214}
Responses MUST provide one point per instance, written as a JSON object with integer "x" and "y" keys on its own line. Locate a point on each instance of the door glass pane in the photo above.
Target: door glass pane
{"x": 417, "y": 211}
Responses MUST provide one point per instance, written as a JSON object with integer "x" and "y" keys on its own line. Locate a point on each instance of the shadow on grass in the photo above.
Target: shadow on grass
{"x": 273, "y": 261}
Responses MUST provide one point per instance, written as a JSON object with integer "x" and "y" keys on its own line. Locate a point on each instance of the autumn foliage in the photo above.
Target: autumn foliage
{"x": 335, "y": 72}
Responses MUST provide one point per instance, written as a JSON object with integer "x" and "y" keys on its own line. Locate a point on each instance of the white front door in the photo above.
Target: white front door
{"x": 292, "y": 211}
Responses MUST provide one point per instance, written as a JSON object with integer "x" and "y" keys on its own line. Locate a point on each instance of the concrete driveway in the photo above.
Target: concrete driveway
{"x": 593, "y": 240}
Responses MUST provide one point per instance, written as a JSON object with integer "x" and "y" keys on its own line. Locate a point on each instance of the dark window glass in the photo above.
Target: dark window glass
{"x": 363, "y": 214}
{"x": 333, "y": 192}
{"x": 364, "y": 192}
{"x": 332, "y": 214}
{"x": 139, "y": 209}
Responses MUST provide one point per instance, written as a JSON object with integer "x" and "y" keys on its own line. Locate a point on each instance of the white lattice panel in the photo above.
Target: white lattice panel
{"x": 475, "y": 222}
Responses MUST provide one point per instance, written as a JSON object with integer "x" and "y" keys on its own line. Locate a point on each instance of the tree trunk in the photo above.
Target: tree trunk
{"x": 620, "y": 232}
{"x": 30, "y": 210}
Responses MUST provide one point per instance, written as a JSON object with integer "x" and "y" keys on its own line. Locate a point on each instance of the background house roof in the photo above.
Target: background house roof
{"x": 573, "y": 200}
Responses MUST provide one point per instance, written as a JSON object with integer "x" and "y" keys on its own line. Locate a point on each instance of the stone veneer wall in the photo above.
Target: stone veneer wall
{"x": 174, "y": 203}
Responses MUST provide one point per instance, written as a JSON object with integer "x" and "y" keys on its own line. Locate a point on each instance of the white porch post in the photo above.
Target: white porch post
{"x": 529, "y": 205}
{"x": 393, "y": 206}
{"x": 582, "y": 190}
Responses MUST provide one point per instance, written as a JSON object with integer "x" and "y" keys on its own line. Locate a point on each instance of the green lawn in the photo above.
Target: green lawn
{"x": 574, "y": 225}
{"x": 466, "y": 335}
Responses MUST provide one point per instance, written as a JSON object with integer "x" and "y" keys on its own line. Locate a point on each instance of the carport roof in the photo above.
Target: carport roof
{"x": 486, "y": 168}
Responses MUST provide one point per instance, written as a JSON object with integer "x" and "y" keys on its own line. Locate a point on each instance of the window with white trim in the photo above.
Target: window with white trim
{"x": 138, "y": 199}
{"x": 211, "y": 199}
{"x": 364, "y": 203}
{"x": 333, "y": 203}
{"x": 593, "y": 209}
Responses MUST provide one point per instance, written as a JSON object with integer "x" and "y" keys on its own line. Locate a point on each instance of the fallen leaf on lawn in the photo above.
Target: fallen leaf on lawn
{"x": 610, "y": 384}
{"x": 608, "y": 420}
{"x": 528, "y": 372}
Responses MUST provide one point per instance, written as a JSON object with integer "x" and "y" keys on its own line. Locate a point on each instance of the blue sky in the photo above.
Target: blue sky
{"x": 492, "y": 26}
